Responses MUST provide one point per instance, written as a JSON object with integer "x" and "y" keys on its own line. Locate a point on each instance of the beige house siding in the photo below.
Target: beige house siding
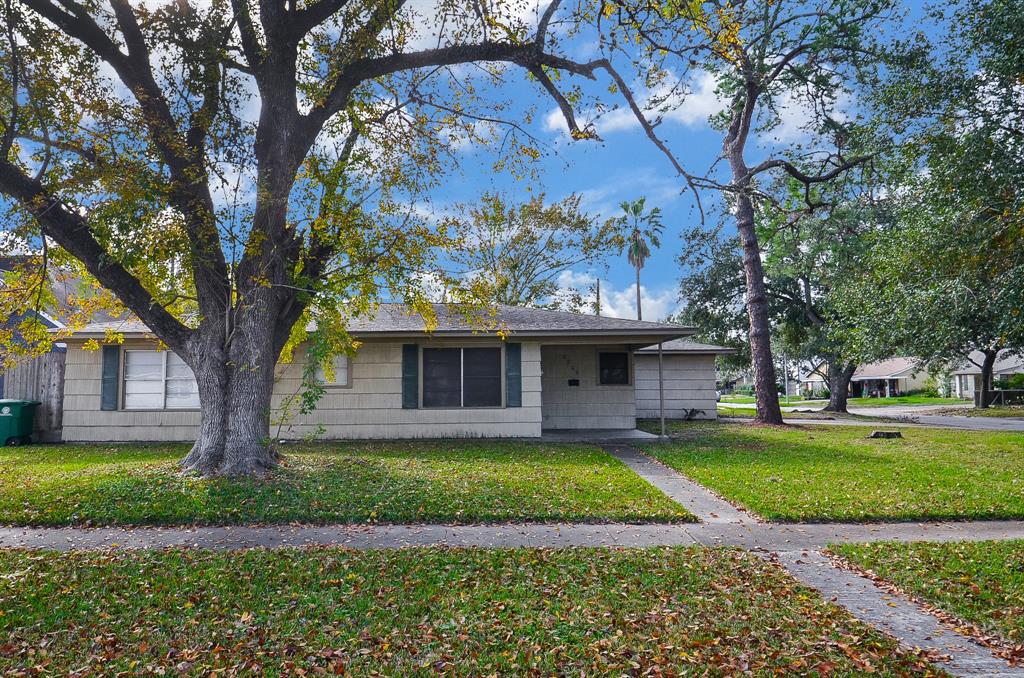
{"x": 370, "y": 407}
{"x": 588, "y": 405}
{"x": 689, "y": 385}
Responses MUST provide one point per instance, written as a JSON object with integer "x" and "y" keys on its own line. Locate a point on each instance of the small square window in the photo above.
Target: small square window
{"x": 340, "y": 367}
{"x": 613, "y": 368}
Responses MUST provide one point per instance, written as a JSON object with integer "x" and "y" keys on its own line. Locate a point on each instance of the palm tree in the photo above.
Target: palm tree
{"x": 646, "y": 227}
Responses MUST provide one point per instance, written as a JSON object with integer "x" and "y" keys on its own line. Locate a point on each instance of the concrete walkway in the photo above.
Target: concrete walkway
{"x": 754, "y": 536}
{"x": 697, "y": 499}
{"x": 895, "y": 615}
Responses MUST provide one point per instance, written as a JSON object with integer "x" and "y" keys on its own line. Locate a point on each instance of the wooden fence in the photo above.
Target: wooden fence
{"x": 999, "y": 397}
{"x": 40, "y": 379}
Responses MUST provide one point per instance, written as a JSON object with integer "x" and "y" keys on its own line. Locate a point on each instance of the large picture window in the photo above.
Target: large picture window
{"x": 462, "y": 377}
{"x": 158, "y": 380}
{"x": 613, "y": 368}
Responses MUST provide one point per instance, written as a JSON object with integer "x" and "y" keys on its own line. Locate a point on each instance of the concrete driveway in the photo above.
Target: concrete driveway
{"x": 921, "y": 414}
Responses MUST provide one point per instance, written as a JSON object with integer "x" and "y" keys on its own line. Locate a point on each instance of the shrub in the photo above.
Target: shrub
{"x": 930, "y": 390}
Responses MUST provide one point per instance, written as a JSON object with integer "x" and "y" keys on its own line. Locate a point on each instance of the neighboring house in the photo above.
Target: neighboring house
{"x": 887, "y": 378}
{"x": 814, "y": 380}
{"x": 966, "y": 380}
{"x": 730, "y": 382}
{"x": 40, "y": 378}
{"x": 554, "y": 371}
{"x": 688, "y": 371}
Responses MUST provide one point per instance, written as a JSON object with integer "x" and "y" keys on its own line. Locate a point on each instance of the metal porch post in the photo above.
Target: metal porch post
{"x": 661, "y": 388}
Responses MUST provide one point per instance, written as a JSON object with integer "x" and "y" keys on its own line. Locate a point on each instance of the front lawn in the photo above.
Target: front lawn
{"x": 980, "y": 582}
{"x": 662, "y": 611}
{"x": 836, "y": 473}
{"x": 458, "y": 482}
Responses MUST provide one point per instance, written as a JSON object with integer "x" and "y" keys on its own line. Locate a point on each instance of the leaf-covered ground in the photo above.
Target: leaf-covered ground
{"x": 449, "y": 482}
{"x": 980, "y": 582}
{"x": 427, "y": 611}
{"x": 836, "y": 473}
{"x": 1006, "y": 412}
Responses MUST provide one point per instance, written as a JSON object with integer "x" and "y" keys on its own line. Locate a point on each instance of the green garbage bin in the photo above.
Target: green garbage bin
{"x": 16, "y": 421}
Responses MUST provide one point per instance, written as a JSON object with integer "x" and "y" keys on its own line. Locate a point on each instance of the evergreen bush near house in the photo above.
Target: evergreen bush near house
{"x": 930, "y": 390}
{"x": 1010, "y": 383}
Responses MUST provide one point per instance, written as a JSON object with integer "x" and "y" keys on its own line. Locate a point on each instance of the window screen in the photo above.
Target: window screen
{"x": 462, "y": 377}
{"x": 441, "y": 377}
{"x": 481, "y": 377}
{"x": 614, "y": 368}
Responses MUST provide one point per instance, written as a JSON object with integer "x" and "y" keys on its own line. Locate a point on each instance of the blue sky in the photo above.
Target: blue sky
{"x": 624, "y": 166}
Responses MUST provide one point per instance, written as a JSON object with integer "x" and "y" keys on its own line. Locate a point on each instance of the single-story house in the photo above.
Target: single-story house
{"x": 967, "y": 378}
{"x": 887, "y": 378}
{"x": 814, "y": 379}
{"x": 550, "y": 371}
{"x": 687, "y": 380}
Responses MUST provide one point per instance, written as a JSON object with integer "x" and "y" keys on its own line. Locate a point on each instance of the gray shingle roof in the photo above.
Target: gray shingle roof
{"x": 887, "y": 369}
{"x": 1007, "y": 362}
{"x": 395, "y": 319}
{"x": 678, "y": 346}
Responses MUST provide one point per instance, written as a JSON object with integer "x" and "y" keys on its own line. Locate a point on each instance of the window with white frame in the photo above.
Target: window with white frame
{"x": 158, "y": 380}
{"x": 340, "y": 367}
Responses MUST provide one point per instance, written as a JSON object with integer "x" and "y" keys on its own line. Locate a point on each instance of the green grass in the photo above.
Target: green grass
{"x": 742, "y": 412}
{"x": 660, "y": 611}
{"x": 457, "y": 482}
{"x": 836, "y": 473}
{"x": 980, "y": 582}
{"x": 735, "y": 398}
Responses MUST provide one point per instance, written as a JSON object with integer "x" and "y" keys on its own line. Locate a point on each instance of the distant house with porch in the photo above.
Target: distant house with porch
{"x": 965, "y": 380}
{"x": 888, "y": 378}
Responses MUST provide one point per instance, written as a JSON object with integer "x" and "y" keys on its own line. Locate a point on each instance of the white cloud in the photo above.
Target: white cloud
{"x": 621, "y": 302}
{"x": 797, "y": 118}
{"x": 437, "y": 26}
{"x": 690, "y": 106}
{"x": 660, "y": 189}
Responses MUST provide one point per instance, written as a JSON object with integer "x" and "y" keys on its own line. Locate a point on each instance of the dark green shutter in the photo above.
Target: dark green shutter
{"x": 410, "y": 376}
{"x": 109, "y": 378}
{"x": 513, "y": 375}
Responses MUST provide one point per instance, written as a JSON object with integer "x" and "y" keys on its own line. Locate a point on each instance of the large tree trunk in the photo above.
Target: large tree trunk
{"x": 839, "y": 375}
{"x": 987, "y": 368}
{"x": 765, "y": 389}
{"x": 235, "y": 390}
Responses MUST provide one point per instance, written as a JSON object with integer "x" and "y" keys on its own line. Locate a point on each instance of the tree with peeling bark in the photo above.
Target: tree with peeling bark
{"x": 237, "y": 171}
{"x": 770, "y": 59}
